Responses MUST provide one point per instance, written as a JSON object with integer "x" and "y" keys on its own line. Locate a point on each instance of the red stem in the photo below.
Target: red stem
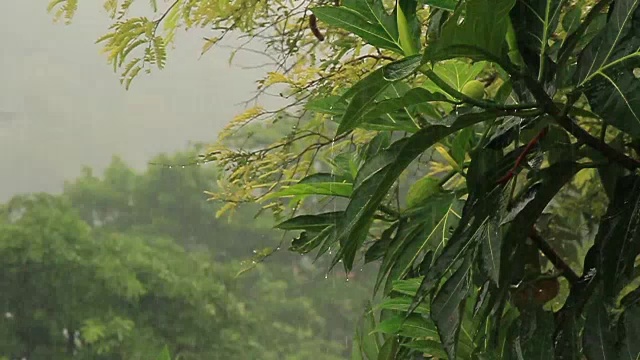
{"x": 527, "y": 149}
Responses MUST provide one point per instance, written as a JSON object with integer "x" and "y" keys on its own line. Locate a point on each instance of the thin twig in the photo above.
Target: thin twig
{"x": 553, "y": 257}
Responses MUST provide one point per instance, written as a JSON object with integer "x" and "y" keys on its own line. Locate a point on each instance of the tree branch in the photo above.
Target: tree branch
{"x": 568, "y": 124}
{"x": 553, "y": 257}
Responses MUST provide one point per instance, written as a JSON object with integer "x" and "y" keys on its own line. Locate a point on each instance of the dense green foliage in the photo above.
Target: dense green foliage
{"x": 534, "y": 181}
{"x": 120, "y": 265}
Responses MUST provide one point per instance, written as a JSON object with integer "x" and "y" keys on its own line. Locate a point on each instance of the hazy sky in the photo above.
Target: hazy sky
{"x": 61, "y": 105}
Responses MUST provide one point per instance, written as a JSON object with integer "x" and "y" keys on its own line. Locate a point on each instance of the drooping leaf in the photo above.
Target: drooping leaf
{"x": 534, "y": 22}
{"x": 605, "y": 68}
{"x": 318, "y": 188}
{"x": 389, "y": 349}
{"x": 599, "y": 338}
{"x": 421, "y": 190}
{"x": 376, "y": 82}
{"x": 614, "y": 42}
{"x": 165, "y": 354}
{"x": 476, "y": 30}
{"x": 414, "y": 96}
{"x": 366, "y": 19}
{"x": 630, "y": 346}
{"x": 416, "y": 326}
{"x": 534, "y": 334}
{"x": 571, "y": 19}
{"x": 491, "y": 248}
{"x": 377, "y": 176}
{"x": 368, "y": 341}
{"x": 447, "y": 307}
{"x": 309, "y": 240}
{"x": 381, "y": 246}
{"x": 402, "y": 303}
{"x": 310, "y": 222}
{"x": 408, "y": 26}
{"x": 428, "y": 229}
{"x": 618, "y": 239}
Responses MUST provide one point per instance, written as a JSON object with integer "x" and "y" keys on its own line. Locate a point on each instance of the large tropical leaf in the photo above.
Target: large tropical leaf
{"x": 476, "y": 30}
{"x": 606, "y": 68}
{"x": 532, "y": 335}
{"x": 447, "y": 308}
{"x": 377, "y": 176}
{"x": 534, "y": 22}
{"x": 365, "y": 18}
{"x": 630, "y": 346}
{"x": 375, "y": 85}
{"x": 599, "y": 338}
{"x": 427, "y": 229}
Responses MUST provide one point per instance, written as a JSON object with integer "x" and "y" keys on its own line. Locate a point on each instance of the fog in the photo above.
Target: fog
{"x": 62, "y": 106}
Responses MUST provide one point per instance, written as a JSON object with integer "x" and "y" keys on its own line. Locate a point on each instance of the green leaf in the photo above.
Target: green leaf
{"x": 416, "y": 326}
{"x": 428, "y": 347}
{"x": 414, "y": 96}
{"x": 408, "y": 26}
{"x": 381, "y": 246}
{"x": 491, "y": 248}
{"x": 571, "y": 19}
{"x": 456, "y": 73}
{"x": 630, "y": 346}
{"x": 164, "y": 355}
{"x": 306, "y": 189}
{"x": 402, "y": 68}
{"x": 376, "y": 177}
{"x": 449, "y": 5}
{"x": 618, "y": 238}
{"x": 376, "y": 83}
{"x": 389, "y": 349}
{"x": 614, "y": 44}
{"x": 606, "y": 69}
{"x": 416, "y": 234}
{"x": 534, "y": 334}
{"x": 402, "y": 304}
{"x": 310, "y": 222}
{"x": 476, "y": 30}
{"x": 420, "y": 191}
{"x": 447, "y": 308}
{"x": 326, "y": 105}
{"x": 534, "y": 21}
{"x": 309, "y": 240}
{"x": 367, "y": 20}
{"x": 461, "y": 144}
{"x": 369, "y": 341}
{"x": 599, "y": 339}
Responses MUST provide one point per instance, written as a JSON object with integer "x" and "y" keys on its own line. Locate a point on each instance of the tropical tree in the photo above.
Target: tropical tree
{"x": 522, "y": 107}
